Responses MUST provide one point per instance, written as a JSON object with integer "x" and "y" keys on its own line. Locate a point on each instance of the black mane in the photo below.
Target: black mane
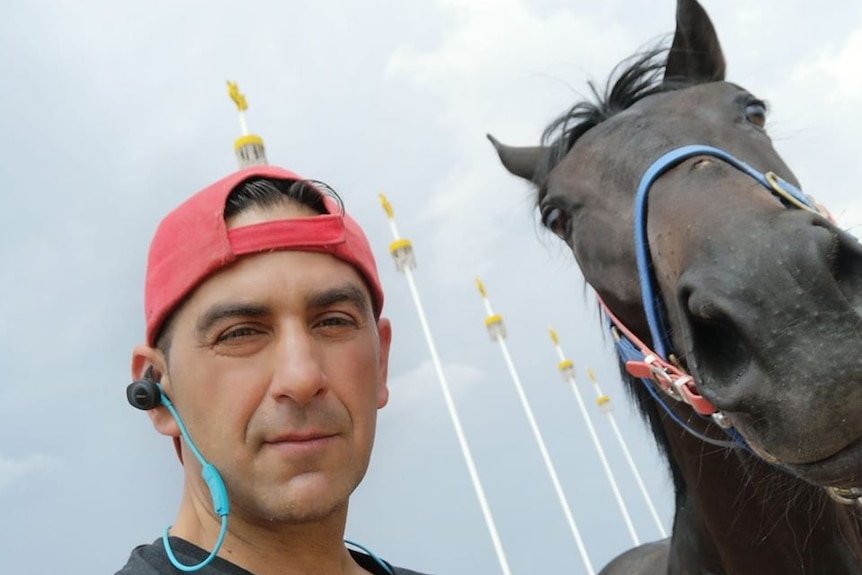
{"x": 633, "y": 79}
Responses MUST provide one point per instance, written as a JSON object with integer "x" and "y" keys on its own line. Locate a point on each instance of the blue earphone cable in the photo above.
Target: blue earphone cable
{"x": 188, "y": 568}
{"x": 217, "y": 489}
{"x": 371, "y": 554}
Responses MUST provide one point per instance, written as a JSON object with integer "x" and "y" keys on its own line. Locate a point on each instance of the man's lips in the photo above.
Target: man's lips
{"x": 300, "y": 436}
{"x": 301, "y": 441}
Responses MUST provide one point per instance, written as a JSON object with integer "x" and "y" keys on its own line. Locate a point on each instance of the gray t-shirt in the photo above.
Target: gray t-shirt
{"x": 153, "y": 560}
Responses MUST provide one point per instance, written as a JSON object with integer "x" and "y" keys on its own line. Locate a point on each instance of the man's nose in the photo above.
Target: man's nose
{"x": 298, "y": 374}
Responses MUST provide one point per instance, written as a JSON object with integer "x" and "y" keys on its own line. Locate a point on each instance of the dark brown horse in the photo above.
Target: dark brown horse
{"x": 691, "y": 230}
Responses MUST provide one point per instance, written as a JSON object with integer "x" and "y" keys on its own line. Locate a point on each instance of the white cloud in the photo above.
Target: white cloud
{"x": 13, "y": 470}
{"x": 499, "y": 70}
{"x": 413, "y": 389}
{"x": 749, "y": 15}
{"x": 497, "y": 52}
{"x": 837, "y": 68}
{"x": 490, "y": 39}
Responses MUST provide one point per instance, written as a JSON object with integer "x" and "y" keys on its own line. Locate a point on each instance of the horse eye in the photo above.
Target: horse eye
{"x": 755, "y": 112}
{"x": 557, "y": 221}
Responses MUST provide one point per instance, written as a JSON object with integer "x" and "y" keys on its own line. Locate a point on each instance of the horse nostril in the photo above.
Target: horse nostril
{"x": 844, "y": 256}
{"x": 720, "y": 350}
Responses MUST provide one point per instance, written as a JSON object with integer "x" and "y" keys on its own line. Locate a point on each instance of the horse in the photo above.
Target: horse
{"x": 733, "y": 299}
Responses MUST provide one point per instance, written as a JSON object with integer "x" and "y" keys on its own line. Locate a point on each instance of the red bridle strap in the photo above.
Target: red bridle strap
{"x": 674, "y": 381}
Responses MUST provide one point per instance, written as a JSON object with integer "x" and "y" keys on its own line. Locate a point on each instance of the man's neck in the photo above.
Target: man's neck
{"x": 270, "y": 548}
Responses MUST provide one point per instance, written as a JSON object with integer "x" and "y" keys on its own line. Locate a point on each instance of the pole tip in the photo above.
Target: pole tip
{"x": 387, "y": 207}
{"x": 481, "y": 287}
{"x": 554, "y": 336}
{"x": 592, "y": 374}
{"x": 237, "y": 96}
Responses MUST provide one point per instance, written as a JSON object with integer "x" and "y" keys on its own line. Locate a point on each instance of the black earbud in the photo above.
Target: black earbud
{"x": 144, "y": 393}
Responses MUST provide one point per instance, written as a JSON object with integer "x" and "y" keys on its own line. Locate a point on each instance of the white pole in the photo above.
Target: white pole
{"x": 568, "y": 370}
{"x": 603, "y": 398}
{"x": 497, "y": 331}
{"x": 407, "y": 267}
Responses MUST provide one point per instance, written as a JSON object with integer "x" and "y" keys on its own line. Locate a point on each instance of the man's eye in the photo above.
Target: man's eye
{"x": 236, "y": 333}
{"x": 336, "y": 321}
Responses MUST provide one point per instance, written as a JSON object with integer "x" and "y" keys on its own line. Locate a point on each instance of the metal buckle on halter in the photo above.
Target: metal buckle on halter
{"x": 682, "y": 382}
{"x": 846, "y": 496}
{"x": 665, "y": 380}
{"x": 654, "y": 370}
{"x": 721, "y": 420}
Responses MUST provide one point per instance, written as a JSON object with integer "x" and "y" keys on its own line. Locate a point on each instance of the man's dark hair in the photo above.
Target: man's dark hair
{"x": 259, "y": 192}
{"x": 268, "y": 193}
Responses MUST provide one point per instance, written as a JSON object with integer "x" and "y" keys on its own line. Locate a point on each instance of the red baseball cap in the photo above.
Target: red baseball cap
{"x": 193, "y": 242}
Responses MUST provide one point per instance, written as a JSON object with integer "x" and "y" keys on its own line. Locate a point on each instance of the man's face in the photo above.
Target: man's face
{"x": 278, "y": 367}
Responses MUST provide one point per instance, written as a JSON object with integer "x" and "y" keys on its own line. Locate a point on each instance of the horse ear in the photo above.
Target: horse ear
{"x": 696, "y": 53}
{"x": 520, "y": 161}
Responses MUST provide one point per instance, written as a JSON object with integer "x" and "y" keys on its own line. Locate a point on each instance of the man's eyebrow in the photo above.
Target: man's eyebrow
{"x": 347, "y": 293}
{"x": 223, "y": 311}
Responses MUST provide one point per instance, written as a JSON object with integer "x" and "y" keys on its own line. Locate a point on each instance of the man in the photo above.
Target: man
{"x": 266, "y": 362}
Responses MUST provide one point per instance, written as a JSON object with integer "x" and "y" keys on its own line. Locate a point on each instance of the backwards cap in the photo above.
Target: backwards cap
{"x": 193, "y": 242}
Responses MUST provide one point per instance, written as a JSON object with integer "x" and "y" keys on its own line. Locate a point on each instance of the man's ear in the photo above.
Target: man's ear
{"x": 149, "y": 363}
{"x": 145, "y": 357}
{"x": 384, "y": 330}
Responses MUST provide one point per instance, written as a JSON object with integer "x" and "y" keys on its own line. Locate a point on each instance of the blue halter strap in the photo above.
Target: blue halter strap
{"x": 651, "y": 300}
{"x": 653, "y": 306}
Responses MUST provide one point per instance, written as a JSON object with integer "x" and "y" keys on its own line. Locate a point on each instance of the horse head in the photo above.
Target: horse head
{"x": 757, "y": 293}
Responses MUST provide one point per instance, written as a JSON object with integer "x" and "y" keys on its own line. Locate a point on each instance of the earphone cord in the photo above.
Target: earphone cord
{"x": 188, "y": 568}
{"x": 371, "y": 554}
{"x": 217, "y": 491}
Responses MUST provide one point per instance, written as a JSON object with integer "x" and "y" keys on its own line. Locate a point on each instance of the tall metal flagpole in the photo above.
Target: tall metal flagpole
{"x": 402, "y": 253}
{"x": 604, "y": 403}
{"x": 497, "y": 331}
{"x": 567, "y": 369}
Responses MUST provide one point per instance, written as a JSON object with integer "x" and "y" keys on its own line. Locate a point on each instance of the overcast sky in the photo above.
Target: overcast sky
{"x": 114, "y": 112}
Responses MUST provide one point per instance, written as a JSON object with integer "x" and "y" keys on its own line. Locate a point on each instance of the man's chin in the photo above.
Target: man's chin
{"x": 303, "y": 500}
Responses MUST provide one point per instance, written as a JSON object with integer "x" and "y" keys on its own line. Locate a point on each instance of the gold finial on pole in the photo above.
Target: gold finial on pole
{"x": 481, "y": 287}
{"x": 390, "y": 213}
{"x": 237, "y": 96}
